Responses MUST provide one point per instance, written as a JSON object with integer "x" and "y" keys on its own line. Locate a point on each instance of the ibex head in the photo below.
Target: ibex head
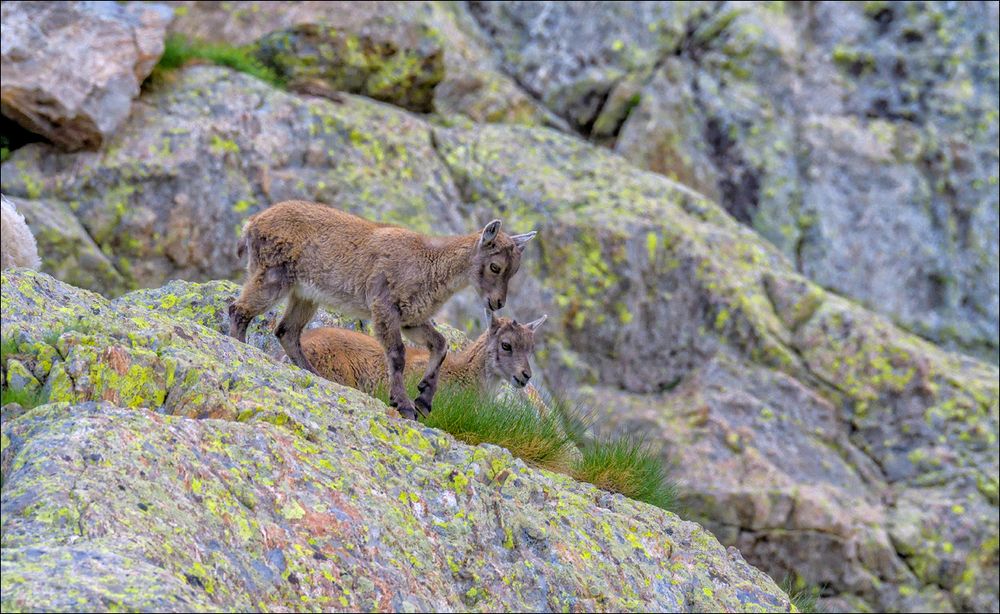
{"x": 497, "y": 259}
{"x": 509, "y": 347}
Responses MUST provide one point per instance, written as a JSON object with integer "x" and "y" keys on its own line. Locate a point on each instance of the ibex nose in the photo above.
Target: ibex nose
{"x": 500, "y": 302}
{"x": 526, "y": 375}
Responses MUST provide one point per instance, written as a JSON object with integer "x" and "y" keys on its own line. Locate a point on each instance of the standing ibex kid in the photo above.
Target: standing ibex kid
{"x": 315, "y": 254}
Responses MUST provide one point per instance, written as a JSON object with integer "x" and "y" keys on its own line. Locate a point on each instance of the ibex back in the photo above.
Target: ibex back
{"x": 315, "y": 254}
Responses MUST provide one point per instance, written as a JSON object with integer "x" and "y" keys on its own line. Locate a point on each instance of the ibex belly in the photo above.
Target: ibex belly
{"x": 345, "y": 303}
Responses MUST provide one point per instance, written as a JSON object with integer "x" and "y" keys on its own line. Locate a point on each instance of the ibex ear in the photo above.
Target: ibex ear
{"x": 534, "y": 325}
{"x": 522, "y": 239}
{"x": 490, "y": 233}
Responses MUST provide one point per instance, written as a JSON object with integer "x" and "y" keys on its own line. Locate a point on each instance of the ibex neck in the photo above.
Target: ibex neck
{"x": 452, "y": 260}
{"x": 472, "y": 360}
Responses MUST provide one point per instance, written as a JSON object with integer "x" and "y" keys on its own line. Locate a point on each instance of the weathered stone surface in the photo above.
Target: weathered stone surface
{"x": 72, "y": 69}
{"x": 571, "y": 55}
{"x": 69, "y": 251}
{"x": 396, "y": 62}
{"x": 471, "y": 86}
{"x": 827, "y": 127}
{"x": 647, "y": 284}
{"x": 305, "y": 495}
{"x": 653, "y": 287}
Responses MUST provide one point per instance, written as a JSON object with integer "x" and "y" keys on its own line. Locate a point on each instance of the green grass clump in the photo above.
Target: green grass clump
{"x": 803, "y": 596}
{"x": 550, "y": 439}
{"x": 510, "y": 421}
{"x": 24, "y": 397}
{"x": 626, "y": 465}
{"x": 178, "y": 51}
{"x": 8, "y": 347}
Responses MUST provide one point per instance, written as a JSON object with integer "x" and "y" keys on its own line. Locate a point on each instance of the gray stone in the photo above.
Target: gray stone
{"x": 72, "y": 69}
{"x": 859, "y": 138}
{"x": 298, "y": 494}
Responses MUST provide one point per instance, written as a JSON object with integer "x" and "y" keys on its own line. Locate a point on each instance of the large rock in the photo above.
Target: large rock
{"x": 847, "y": 421}
{"x": 70, "y": 253}
{"x": 72, "y": 69}
{"x": 472, "y": 85}
{"x": 396, "y": 62}
{"x": 301, "y": 495}
{"x": 650, "y": 287}
{"x": 571, "y": 55}
{"x": 827, "y": 127}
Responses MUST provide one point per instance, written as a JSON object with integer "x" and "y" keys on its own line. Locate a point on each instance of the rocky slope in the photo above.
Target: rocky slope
{"x": 649, "y": 284}
{"x": 472, "y": 86}
{"x": 176, "y": 469}
{"x": 840, "y": 448}
{"x": 826, "y": 126}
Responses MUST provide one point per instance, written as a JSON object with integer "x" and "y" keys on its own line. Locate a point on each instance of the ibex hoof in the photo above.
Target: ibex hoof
{"x": 405, "y": 409}
{"x": 423, "y": 407}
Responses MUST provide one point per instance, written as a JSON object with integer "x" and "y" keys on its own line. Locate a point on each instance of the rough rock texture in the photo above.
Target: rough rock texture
{"x": 649, "y": 285}
{"x": 472, "y": 84}
{"x": 72, "y": 69}
{"x": 652, "y": 285}
{"x": 396, "y": 62}
{"x": 69, "y": 251}
{"x": 301, "y": 495}
{"x": 571, "y": 55}
{"x": 826, "y": 126}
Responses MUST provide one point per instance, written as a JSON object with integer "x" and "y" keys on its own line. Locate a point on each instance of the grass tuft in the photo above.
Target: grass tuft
{"x": 626, "y": 465}
{"x": 8, "y": 347}
{"x": 803, "y": 596}
{"x": 179, "y": 50}
{"x": 24, "y": 397}
{"x": 510, "y": 421}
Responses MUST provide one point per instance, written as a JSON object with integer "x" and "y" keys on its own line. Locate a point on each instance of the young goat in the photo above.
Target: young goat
{"x": 315, "y": 254}
{"x": 356, "y": 360}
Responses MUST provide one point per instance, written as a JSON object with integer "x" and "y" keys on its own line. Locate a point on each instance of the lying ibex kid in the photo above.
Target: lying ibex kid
{"x": 315, "y": 254}
{"x": 355, "y": 359}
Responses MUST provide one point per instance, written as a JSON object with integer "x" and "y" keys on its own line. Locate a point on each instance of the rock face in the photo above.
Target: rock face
{"x": 659, "y": 301}
{"x": 398, "y": 63}
{"x": 471, "y": 86}
{"x": 72, "y": 69}
{"x": 827, "y": 127}
{"x": 301, "y": 494}
{"x": 827, "y": 421}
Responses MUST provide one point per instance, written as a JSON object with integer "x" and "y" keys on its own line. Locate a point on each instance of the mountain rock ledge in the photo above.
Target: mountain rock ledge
{"x": 177, "y": 469}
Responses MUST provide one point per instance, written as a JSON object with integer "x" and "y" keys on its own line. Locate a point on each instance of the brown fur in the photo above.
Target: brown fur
{"x": 316, "y": 254}
{"x": 357, "y": 360}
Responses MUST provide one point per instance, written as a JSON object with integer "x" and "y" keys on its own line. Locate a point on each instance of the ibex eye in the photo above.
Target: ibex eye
{"x": 505, "y": 346}
{"x": 495, "y": 268}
